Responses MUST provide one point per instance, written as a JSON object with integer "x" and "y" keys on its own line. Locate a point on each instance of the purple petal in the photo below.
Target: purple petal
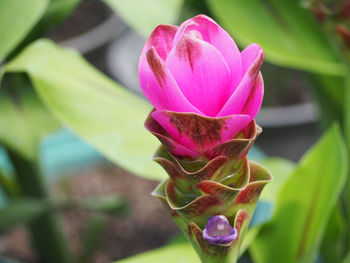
{"x": 248, "y": 95}
{"x": 218, "y": 231}
{"x": 201, "y": 73}
{"x": 212, "y": 33}
{"x": 159, "y": 86}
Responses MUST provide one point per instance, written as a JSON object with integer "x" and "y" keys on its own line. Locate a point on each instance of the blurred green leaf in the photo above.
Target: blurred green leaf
{"x": 145, "y": 15}
{"x": 305, "y": 204}
{"x": 111, "y": 204}
{"x": 56, "y": 12}
{"x": 280, "y": 169}
{"x": 92, "y": 105}
{"x": 23, "y": 119}
{"x": 8, "y": 186}
{"x": 347, "y": 258}
{"x": 332, "y": 244}
{"x": 17, "y": 18}
{"x": 21, "y": 211}
{"x": 289, "y": 34}
{"x": 173, "y": 253}
{"x": 8, "y": 260}
{"x": 91, "y": 238}
{"x": 329, "y": 92}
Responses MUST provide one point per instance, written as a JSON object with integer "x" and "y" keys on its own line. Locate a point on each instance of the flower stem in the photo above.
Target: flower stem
{"x": 45, "y": 230}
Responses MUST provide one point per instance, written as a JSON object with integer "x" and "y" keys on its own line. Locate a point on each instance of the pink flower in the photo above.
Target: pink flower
{"x": 197, "y": 68}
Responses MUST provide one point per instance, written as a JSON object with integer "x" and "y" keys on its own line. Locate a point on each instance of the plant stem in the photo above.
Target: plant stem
{"x": 346, "y": 191}
{"x": 45, "y": 230}
{"x": 344, "y": 54}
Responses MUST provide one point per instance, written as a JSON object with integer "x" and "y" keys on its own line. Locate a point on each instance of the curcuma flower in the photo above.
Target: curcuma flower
{"x": 206, "y": 94}
{"x": 197, "y": 68}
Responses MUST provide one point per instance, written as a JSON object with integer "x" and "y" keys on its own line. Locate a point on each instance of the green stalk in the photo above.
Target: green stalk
{"x": 45, "y": 230}
{"x": 345, "y": 55}
{"x": 346, "y": 192}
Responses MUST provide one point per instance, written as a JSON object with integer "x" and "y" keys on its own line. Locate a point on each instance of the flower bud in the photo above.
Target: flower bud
{"x": 204, "y": 90}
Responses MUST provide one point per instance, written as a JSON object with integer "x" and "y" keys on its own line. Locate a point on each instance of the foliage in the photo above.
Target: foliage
{"x": 22, "y": 16}
{"x": 289, "y": 34}
{"x": 92, "y": 105}
{"x": 149, "y": 13}
{"x": 305, "y": 204}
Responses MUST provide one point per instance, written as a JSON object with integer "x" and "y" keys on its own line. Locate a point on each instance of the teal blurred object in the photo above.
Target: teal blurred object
{"x": 5, "y": 165}
{"x": 263, "y": 210}
{"x": 262, "y": 213}
{"x": 62, "y": 152}
{"x": 6, "y": 169}
{"x": 255, "y": 154}
{"x": 7, "y": 260}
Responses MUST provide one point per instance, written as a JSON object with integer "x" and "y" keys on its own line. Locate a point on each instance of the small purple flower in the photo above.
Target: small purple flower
{"x": 218, "y": 231}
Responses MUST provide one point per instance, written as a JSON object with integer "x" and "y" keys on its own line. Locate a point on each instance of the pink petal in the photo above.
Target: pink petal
{"x": 161, "y": 39}
{"x": 212, "y": 33}
{"x": 201, "y": 73}
{"x": 247, "y": 93}
{"x": 159, "y": 86}
{"x": 249, "y": 56}
{"x": 199, "y": 133}
{"x": 255, "y": 99}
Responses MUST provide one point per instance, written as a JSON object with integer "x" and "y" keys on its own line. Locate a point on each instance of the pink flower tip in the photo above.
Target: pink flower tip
{"x": 198, "y": 68}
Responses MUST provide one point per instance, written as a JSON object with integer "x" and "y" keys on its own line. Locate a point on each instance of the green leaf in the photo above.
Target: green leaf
{"x": 333, "y": 242}
{"x": 305, "y": 204}
{"x": 92, "y": 105}
{"x": 145, "y": 15}
{"x": 174, "y": 253}
{"x": 289, "y": 34}
{"x": 347, "y": 258}
{"x": 329, "y": 92}
{"x": 280, "y": 169}
{"x": 110, "y": 204}
{"x": 17, "y": 18}
{"x": 23, "y": 119}
{"x": 57, "y": 11}
{"x": 8, "y": 186}
{"x": 21, "y": 211}
{"x": 91, "y": 238}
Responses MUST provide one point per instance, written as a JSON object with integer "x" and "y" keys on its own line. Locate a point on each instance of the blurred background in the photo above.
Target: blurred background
{"x": 106, "y": 211}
